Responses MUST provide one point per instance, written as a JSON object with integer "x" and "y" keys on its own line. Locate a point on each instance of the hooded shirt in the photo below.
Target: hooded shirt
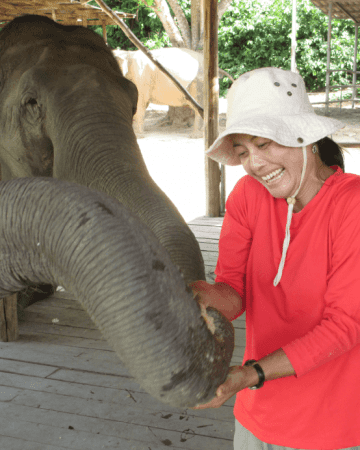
{"x": 313, "y": 314}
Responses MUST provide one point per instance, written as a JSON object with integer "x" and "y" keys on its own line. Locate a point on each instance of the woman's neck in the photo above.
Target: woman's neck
{"x": 323, "y": 173}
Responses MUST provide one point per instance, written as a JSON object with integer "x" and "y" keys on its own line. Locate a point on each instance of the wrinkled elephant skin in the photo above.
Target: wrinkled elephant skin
{"x": 155, "y": 87}
{"x": 143, "y": 308}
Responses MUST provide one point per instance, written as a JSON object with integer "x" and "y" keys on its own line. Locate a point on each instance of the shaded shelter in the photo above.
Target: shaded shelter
{"x": 66, "y": 13}
{"x": 341, "y": 9}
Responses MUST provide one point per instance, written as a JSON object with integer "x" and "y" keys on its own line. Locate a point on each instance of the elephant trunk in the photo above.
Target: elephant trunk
{"x": 99, "y": 149}
{"x": 56, "y": 232}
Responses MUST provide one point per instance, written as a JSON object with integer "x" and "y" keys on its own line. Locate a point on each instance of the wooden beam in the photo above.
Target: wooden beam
{"x": 9, "y": 329}
{"x": 104, "y": 32}
{"x": 293, "y": 37}
{"x": 67, "y": 13}
{"x": 211, "y": 101}
{"x": 354, "y": 90}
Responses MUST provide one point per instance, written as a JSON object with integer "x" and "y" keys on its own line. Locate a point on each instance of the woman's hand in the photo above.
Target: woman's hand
{"x": 204, "y": 292}
{"x": 239, "y": 377}
{"x": 220, "y": 296}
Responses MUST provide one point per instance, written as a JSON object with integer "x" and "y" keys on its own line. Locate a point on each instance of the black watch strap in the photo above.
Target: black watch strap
{"x": 260, "y": 372}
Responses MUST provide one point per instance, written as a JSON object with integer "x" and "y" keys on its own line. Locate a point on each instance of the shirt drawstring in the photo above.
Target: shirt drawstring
{"x": 291, "y": 202}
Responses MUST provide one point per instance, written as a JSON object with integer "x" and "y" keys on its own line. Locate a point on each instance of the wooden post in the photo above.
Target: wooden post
{"x": 354, "y": 92}
{"x": 9, "y": 329}
{"x": 293, "y": 38}
{"x": 211, "y": 102}
{"x": 327, "y": 94}
{"x": 104, "y": 33}
{"x": 222, "y": 189}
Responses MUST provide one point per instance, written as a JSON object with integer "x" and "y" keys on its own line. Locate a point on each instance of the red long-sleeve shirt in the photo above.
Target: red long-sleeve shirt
{"x": 313, "y": 314}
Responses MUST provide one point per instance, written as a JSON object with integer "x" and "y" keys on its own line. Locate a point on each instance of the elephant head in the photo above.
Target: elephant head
{"x": 57, "y": 232}
{"x": 66, "y": 112}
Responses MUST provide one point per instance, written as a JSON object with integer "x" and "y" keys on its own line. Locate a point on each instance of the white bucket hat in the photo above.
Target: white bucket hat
{"x": 270, "y": 103}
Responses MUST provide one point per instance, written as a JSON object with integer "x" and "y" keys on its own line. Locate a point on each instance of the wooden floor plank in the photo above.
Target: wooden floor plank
{"x": 213, "y": 221}
{"x": 134, "y": 423}
{"x": 126, "y": 392}
{"x": 66, "y": 316}
{"x": 48, "y": 334}
{"x": 94, "y": 379}
{"x": 64, "y": 357}
{"x": 209, "y": 246}
{"x": 14, "y": 443}
{"x": 35, "y": 322}
{"x": 138, "y": 435}
{"x": 208, "y": 233}
{"x": 69, "y": 438}
{"x": 25, "y": 368}
{"x": 136, "y": 417}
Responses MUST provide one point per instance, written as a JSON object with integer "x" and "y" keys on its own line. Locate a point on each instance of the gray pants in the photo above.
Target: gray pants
{"x": 244, "y": 440}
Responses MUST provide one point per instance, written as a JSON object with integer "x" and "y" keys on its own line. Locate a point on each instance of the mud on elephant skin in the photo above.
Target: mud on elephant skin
{"x": 155, "y": 87}
{"x": 55, "y": 232}
{"x": 66, "y": 112}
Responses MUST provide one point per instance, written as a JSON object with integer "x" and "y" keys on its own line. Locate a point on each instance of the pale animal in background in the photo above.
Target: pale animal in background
{"x": 155, "y": 87}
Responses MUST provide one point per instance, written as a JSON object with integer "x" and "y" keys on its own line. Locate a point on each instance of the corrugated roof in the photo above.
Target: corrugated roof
{"x": 342, "y": 9}
{"x": 65, "y": 12}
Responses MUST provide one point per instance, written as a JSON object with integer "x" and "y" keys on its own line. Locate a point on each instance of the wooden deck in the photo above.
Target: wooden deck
{"x": 63, "y": 387}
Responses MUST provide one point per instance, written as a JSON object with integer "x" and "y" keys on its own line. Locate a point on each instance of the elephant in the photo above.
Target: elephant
{"x": 79, "y": 209}
{"x": 155, "y": 87}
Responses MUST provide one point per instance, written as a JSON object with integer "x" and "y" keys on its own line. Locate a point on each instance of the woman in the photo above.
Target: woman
{"x": 289, "y": 254}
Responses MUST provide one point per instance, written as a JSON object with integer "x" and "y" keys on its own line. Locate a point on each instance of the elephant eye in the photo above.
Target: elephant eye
{"x": 32, "y": 106}
{"x": 29, "y": 99}
{"x": 32, "y": 109}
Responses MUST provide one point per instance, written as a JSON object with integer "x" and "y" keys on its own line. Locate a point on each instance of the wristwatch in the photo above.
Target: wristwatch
{"x": 260, "y": 372}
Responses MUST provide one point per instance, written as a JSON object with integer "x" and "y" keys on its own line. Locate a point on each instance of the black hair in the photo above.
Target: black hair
{"x": 331, "y": 153}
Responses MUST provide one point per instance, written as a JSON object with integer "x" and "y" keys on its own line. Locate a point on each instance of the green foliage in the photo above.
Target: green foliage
{"x": 147, "y": 27}
{"x": 254, "y": 34}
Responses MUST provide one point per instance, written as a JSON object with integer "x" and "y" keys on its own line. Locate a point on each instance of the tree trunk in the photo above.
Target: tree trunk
{"x": 161, "y": 9}
{"x": 178, "y": 28}
{"x": 182, "y": 23}
{"x": 222, "y": 7}
{"x": 195, "y": 24}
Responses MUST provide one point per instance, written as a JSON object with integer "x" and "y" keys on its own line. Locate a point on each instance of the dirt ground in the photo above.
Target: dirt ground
{"x": 176, "y": 162}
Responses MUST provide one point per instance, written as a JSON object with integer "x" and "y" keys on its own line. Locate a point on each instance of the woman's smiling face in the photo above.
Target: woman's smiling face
{"x": 279, "y": 168}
